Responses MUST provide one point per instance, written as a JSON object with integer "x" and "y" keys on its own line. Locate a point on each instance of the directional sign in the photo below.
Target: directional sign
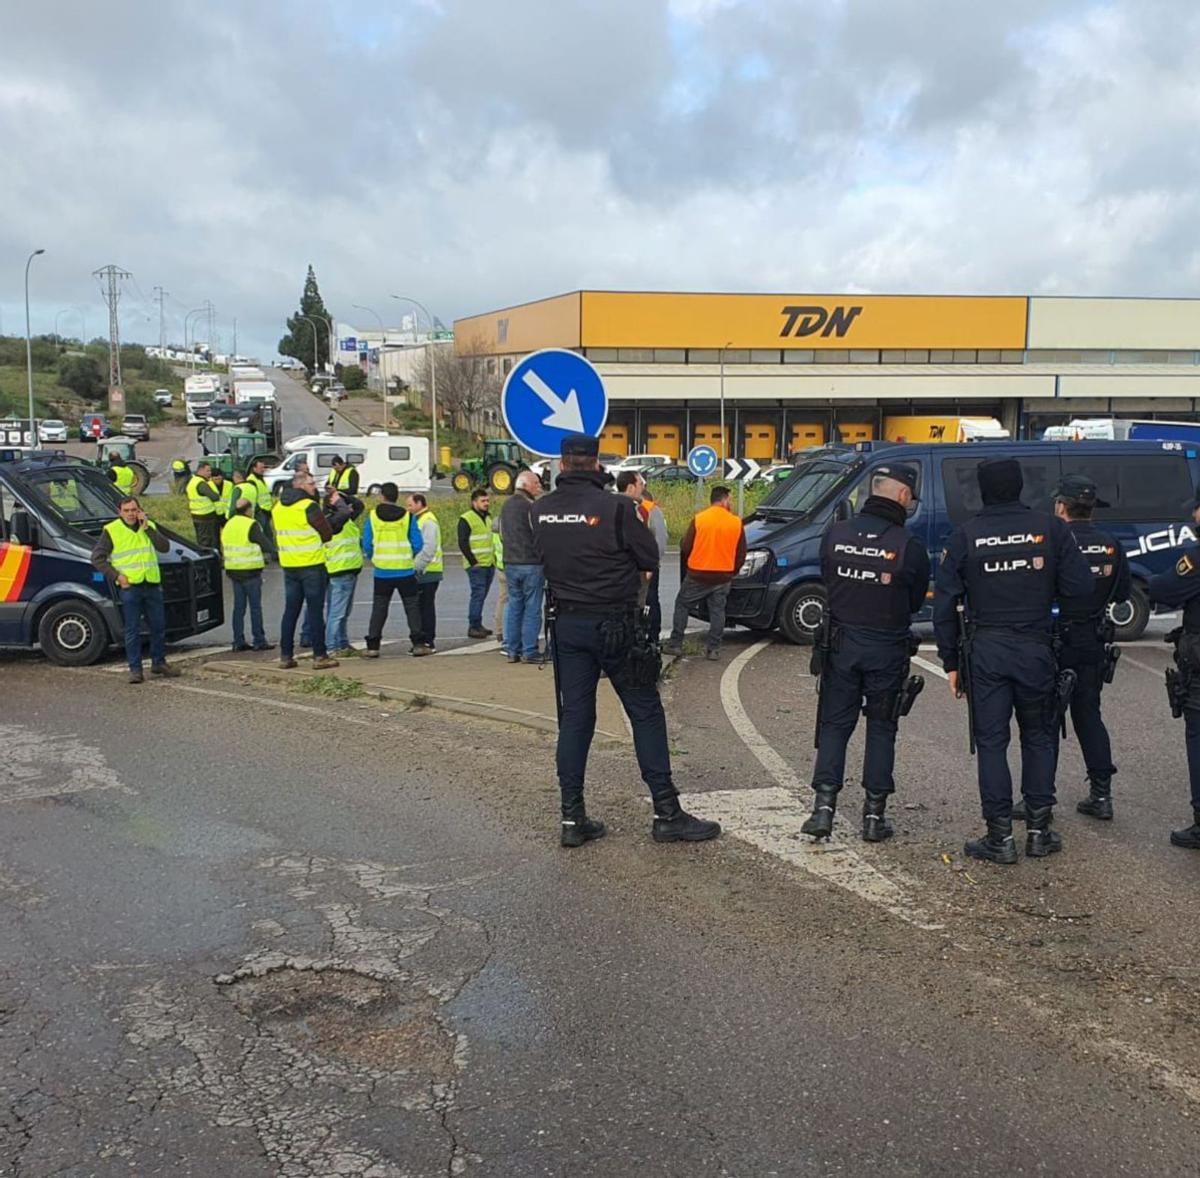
{"x": 702, "y": 461}
{"x": 550, "y": 394}
{"x": 745, "y": 469}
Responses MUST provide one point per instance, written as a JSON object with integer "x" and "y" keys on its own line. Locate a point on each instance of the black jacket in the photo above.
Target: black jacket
{"x": 464, "y": 536}
{"x": 516, "y": 530}
{"x": 591, "y": 543}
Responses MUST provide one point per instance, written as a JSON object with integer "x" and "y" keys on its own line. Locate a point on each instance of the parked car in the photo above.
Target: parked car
{"x": 93, "y": 427}
{"x": 642, "y": 462}
{"x": 320, "y": 381}
{"x": 162, "y": 396}
{"x": 52, "y": 430}
{"x": 136, "y": 426}
{"x": 668, "y": 474}
{"x": 777, "y": 471}
{"x": 335, "y": 393}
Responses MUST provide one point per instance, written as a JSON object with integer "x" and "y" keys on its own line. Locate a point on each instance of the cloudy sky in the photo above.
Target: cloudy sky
{"x": 474, "y": 153}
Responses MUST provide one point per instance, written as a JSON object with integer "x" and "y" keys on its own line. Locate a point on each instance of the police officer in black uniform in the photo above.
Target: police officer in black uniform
{"x": 1006, "y": 567}
{"x": 1086, "y": 635}
{"x": 876, "y": 575}
{"x": 1179, "y": 587}
{"x": 596, "y": 553}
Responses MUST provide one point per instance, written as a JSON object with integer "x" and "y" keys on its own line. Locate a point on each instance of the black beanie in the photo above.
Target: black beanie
{"x": 1000, "y": 480}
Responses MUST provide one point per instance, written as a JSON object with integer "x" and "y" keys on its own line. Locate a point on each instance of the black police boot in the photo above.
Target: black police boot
{"x": 577, "y": 827}
{"x": 1018, "y": 811}
{"x": 997, "y": 846}
{"x": 876, "y": 827}
{"x": 1190, "y": 835}
{"x": 1098, "y": 803}
{"x": 673, "y": 824}
{"x": 1040, "y": 840}
{"x": 820, "y": 823}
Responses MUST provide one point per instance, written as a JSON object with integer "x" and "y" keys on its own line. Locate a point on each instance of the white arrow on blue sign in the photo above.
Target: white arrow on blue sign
{"x": 702, "y": 461}
{"x": 550, "y": 394}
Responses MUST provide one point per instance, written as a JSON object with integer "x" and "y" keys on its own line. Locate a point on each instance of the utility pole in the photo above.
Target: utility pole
{"x": 235, "y": 351}
{"x": 113, "y": 276}
{"x": 161, "y": 294}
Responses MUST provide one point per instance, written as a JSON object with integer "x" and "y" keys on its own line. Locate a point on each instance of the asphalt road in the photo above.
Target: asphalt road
{"x": 247, "y": 933}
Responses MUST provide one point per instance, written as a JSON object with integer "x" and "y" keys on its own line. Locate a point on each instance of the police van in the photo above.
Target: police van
{"x": 52, "y": 509}
{"x": 1149, "y": 486}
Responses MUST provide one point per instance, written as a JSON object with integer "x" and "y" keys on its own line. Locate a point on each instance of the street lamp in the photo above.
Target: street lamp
{"x": 191, "y": 354}
{"x": 724, "y": 443}
{"x": 382, "y": 347}
{"x": 316, "y": 358}
{"x": 432, "y": 371}
{"x": 29, "y": 350}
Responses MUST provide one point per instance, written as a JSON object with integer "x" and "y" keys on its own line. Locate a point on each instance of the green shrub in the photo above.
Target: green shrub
{"x": 83, "y": 376}
{"x": 353, "y": 378}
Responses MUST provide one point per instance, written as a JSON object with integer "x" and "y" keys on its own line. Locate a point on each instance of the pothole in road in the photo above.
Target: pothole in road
{"x": 348, "y": 1016}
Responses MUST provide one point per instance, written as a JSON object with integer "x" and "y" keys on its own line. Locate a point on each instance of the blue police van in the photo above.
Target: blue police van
{"x": 52, "y": 508}
{"x": 1148, "y": 485}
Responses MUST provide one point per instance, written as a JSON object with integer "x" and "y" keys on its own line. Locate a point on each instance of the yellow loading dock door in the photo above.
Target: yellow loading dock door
{"x": 759, "y": 440}
{"x": 614, "y": 439}
{"x": 856, "y": 431}
{"x": 806, "y": 434}
{"x": 664, "y": 438}
{"x": 710, "y": 435}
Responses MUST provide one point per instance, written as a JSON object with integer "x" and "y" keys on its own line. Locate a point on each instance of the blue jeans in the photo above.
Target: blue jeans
{"x": 303, "y": 587}
{"x": 480, "y": 579}
{"x": 136, "y": 601}
{"x": 523, "y": 617}
{"x": 248, "y": 592}
{"x": 581, "y": 657}
{"x": 340, "y": 599}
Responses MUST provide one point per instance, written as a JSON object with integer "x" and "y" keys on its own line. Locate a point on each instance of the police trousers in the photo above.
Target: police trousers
{"x": 1188, "y": 656}
{"x": 579, "y": 656}
{"x": 1085, "y": 656}
{"x": 864, "y": 667}
{"x": 1011, "y": 674}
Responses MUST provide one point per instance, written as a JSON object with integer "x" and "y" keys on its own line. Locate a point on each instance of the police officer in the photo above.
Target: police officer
{"x": 1005, "y": 567}
{"x": 876, "y": 575}
{"x": 1086, "y": 635}
{"x": 596, "y": 553}
{"x": 1179, "y": 587}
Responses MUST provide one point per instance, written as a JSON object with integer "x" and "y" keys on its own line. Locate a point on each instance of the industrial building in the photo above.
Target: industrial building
{"x": 795, "y": 370}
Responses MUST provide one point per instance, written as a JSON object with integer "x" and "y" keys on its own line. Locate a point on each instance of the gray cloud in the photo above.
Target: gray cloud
{"x": 473, "y": 153}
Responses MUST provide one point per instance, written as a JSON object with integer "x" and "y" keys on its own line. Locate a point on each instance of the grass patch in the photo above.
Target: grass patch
{"x": 331, "y": 687}
{"x": 171, "y": 511}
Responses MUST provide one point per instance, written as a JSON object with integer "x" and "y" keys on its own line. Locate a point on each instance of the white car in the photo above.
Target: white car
{"x": 162, "y": 396}
{"x": 52, "y": 430}
{"x": 641, "y": 462}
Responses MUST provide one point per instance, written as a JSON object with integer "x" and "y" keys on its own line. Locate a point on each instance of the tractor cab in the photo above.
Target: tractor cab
{"x": 497, "y": 469}
{"x": 124, "y": 449}
{"x": 229, "y": 449}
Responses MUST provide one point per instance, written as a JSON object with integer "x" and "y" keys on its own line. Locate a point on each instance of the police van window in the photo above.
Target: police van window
{"x": 858, "y": 496}
{"x": 960, "y": 484}
{"x": 809, "y": 484}
{"x": 1140, "y": 488}
{"x": 399, "y": 453}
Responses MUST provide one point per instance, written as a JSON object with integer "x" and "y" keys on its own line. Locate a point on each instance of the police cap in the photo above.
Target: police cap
{"x": 900, "y": 472}
{"x": 1079, "y": 490}
{"x": 580, "y": 446}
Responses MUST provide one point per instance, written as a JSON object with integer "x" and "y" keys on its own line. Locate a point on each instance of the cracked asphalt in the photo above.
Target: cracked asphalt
{"x": 340, "y": 938}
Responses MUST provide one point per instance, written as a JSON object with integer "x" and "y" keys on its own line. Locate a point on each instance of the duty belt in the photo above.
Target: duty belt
{"x": 596, "y": 611}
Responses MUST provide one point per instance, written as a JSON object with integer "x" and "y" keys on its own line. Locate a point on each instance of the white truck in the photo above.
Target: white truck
{"x": 248, "y": 390}
{"x": 381, "y": 458}
{"x": 199, "y": 391}
{"x": 246, "y": 372}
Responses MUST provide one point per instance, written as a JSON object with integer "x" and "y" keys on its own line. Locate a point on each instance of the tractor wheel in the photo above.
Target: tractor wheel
{"x": 141, "y": 477}
{"x": 461, "y": 481}
{"x": 501, "y": 479}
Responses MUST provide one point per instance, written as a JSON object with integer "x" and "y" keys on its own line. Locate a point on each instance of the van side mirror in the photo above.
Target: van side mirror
{"x": 843, "y": 510}
{"x": 22, "y": 529}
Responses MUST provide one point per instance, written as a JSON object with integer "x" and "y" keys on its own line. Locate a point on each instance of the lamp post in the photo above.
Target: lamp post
{"x": 382, "y": 346}
{"x": 29, "y": 350}
{"x": 432, "y": 373}
{"x": 316, "y": 358}
{"x": 191, "y": 352}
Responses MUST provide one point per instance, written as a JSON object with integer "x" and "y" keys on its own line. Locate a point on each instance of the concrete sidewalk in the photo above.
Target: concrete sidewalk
{"x": 471, "y": 680}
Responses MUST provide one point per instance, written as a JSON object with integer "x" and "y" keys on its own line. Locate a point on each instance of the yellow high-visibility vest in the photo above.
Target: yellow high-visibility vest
{"x": 133, "y": 553}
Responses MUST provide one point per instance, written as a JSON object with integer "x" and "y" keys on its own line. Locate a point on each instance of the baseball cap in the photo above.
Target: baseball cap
{"x": 900, "y": 472}
{"x": 580, "y": 446}
{"x": 1079, "y": 489}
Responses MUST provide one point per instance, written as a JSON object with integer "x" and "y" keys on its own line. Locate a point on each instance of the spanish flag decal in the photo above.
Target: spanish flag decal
{"x": 14, "y": 568}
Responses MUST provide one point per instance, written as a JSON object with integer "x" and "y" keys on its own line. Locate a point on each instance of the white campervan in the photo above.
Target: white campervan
{"x": 381, "y": 458}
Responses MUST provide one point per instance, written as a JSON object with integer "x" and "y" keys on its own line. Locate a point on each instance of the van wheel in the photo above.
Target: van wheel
{"x": 1131, "y": 617}
{"x": 374, "y": 489}
{"x": 801, "y": 612}
{"x": 72, "y": 634}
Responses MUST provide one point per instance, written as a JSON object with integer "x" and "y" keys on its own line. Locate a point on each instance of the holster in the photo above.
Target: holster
{"x": 1178, "y": 677}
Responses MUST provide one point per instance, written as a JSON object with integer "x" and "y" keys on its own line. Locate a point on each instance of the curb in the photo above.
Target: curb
{"x": 445, "y": 703}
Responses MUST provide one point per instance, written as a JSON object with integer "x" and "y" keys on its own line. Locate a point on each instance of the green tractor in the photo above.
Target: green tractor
{"x": 229, "y": 449}
{"x": 124, "y": 449}
{"x": 497, "y": 469}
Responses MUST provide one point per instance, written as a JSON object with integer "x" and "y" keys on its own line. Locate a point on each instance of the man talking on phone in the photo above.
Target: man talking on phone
{"x": 127, "y": 554}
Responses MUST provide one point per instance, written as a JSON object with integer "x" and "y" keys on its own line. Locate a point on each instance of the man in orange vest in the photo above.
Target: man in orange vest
{"x": 712, "y": 551}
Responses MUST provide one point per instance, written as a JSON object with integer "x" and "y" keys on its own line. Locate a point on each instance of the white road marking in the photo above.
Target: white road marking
{"x": 1127, "y": 658}
{"x": 770, "y": 818}
{"x": 486, "y": 647}
{"x": 925, "y": 664}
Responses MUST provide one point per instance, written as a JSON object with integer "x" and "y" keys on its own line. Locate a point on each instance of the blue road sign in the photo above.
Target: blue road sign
{"x": 349, "y": 344}
{"x": 702, "y": 461}
{"x": 550, "y": 394}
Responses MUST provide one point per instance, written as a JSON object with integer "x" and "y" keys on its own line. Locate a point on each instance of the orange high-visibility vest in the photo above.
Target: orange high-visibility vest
{"x": 718, "y": 531}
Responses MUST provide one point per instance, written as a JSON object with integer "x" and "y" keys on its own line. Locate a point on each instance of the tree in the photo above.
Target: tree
{"x": 298, "y": 343}
{"x": 467, "y": 385}
{"x": 83, "y": 376}
{"x": 353, "y": 378}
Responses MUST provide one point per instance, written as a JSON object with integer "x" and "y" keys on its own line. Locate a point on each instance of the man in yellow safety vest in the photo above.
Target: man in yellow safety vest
{"x": 242, "y": 555}
{"x": 479, "y": 559}
{"x": 202, "y": 505}
{"x": 428, "y": 565}
{"x": 126, "y": 552}
{"x": 392, "y": 540}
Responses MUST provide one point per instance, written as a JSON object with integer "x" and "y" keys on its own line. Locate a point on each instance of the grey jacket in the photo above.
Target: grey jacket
{"x": 516, "y": 531}
{"x": 657, "y": 523}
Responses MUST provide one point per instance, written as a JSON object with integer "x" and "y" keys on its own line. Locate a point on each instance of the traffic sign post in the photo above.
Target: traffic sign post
{"x": 551, "y": 394}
